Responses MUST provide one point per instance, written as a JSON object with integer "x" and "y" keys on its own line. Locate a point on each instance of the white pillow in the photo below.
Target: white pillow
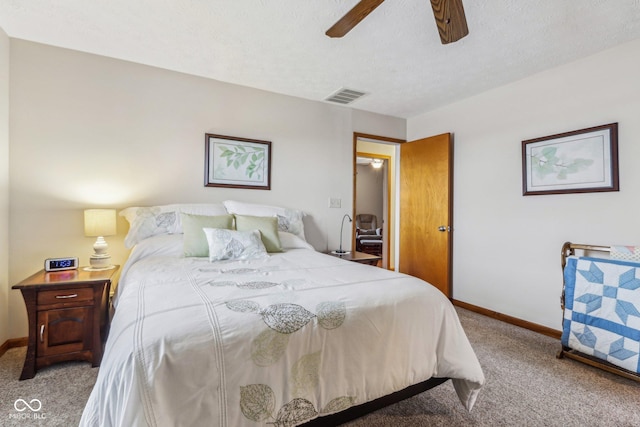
{"x": 291, "y": 241}
{"x": 234, "y": 245}
{"x": 289, "y": 220}
{"x": 145, "y": 222}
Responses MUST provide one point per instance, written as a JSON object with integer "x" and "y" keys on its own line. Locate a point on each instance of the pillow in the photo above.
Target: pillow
{"x": 291, "y": 241}
{"x": 268, "y": 227}
{"x": 234, "y": 245}
{"x": 289, "y": 220}
{"x": 195, "y": 241}
{"x": 145, "y": 222}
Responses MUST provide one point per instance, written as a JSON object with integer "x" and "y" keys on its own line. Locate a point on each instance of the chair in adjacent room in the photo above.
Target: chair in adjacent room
{"x": 368, "y": 234}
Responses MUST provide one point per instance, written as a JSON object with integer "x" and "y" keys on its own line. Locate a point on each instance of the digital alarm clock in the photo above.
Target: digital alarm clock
{"x": 58, "y": 264}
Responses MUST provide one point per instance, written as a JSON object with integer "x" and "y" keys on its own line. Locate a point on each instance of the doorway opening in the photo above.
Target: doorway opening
{"x": 373, "y": 207}
{"x": 374, "y": 193}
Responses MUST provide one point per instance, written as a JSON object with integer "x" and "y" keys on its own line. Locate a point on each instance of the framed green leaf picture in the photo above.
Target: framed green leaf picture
{"x": 237, "y": 162}
{"x": 581, "y": 161}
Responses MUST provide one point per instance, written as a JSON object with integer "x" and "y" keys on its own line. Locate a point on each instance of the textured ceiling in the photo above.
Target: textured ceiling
{"x": 394, "y": 55}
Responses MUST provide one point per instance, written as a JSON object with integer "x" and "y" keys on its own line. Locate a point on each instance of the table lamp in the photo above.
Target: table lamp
{"x": 340, "y": 251}
{"x": 99, "y": 223}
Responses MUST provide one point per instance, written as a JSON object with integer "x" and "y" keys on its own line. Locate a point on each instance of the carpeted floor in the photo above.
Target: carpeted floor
{"x": 526, "y": 386}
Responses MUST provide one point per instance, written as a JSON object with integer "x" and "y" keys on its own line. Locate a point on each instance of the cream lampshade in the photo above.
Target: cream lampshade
{"x": 99, "y": 223}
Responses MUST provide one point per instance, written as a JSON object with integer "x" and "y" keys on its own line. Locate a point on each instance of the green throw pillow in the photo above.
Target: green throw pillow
{"x": 268, "y": 227}
{"x": 195, "y": 241}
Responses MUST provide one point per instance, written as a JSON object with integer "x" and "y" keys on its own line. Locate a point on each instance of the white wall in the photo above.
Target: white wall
{"x": 89, "y": 131}
{"x": 4, "y": 186}
{"x": 506, "y": 246}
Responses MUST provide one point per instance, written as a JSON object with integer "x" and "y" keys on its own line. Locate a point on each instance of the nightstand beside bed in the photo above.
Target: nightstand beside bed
{"x": 68, "y": 316}
{"x": 360, "y": 257}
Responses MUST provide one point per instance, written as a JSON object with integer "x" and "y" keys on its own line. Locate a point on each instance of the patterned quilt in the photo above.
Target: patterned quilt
{"x": 602, "y": 310}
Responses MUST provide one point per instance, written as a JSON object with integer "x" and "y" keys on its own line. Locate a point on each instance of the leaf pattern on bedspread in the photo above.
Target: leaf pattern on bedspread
{"x": 268, "y": 347}
{"x": 243, "y": 306}
{"x": 257, "y": 285}
{"x": 241, "y": 270}
{"x": 221, "y": 284}
{"x": 286, "y": 318}
{"x": 258, "y": 401}
{"x": 294, "y": 412}
{"x": 305, "y": 374}
{"x": 338, "y": 404}
{"x": 331, "y": 314}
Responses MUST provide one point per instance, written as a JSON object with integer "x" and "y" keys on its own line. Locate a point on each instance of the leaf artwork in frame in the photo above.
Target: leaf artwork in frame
{"x": 581, "y": 161}
{"x": 237, "y": 162}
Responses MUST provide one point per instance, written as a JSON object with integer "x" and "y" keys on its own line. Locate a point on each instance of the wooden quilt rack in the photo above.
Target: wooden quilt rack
{"x": 569, "y": 249}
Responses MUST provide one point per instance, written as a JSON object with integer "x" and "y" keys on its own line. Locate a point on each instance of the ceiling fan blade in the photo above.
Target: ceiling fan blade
{"x": 353, "y": 17}
{"x": 452, "y": 24}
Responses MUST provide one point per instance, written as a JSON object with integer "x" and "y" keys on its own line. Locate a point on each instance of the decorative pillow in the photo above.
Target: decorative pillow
{"x": 289, "y": 220}
{"x": 291, "y": 241}
{"x": 145, "y": 222}
{"x": 268, "y": 227}
{"x": 195, "y": 241}
{"x": 234, "y": 245}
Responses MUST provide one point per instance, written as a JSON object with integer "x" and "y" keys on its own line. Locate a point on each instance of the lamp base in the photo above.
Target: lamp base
{"x": 109, "y": 267}
{"x": 99, "y": 262}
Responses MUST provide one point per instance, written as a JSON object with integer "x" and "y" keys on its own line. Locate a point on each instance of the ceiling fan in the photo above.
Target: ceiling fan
{"x": 449, "y": 14}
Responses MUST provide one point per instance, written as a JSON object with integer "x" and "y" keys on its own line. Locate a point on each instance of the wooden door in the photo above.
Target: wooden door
{"x": 426, "y": 210}
{"x": 64, "y": 331}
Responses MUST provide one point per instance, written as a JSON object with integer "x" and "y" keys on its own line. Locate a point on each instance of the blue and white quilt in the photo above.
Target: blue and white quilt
{"x": 602, "y": 310}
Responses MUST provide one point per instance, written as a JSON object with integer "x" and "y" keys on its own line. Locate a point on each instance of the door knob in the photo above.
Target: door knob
{"x": 444, "y": 228}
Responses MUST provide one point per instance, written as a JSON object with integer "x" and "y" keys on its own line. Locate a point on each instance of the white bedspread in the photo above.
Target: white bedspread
{"x": 278, "y": 340}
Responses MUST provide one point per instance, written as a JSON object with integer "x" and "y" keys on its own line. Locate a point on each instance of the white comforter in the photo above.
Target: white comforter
{"x": 278, "y": 340}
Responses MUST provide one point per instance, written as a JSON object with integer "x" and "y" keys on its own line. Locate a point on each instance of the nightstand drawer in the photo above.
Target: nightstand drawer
{"x": 66, "y": 296}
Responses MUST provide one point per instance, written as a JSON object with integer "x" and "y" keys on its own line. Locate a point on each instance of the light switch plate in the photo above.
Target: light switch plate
{"x": 335, "y": 202}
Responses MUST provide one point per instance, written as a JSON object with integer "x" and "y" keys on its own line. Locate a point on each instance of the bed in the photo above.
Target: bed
{"x": 601, "y": 303}
{"x": 286, "y": 338}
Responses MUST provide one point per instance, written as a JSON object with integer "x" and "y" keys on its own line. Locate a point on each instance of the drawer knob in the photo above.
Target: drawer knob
{"x": 66, "y": 296}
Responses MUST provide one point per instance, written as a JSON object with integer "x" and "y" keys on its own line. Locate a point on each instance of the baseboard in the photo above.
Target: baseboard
{"x": 553, "y": 333}
{"x": 12, "y": 343}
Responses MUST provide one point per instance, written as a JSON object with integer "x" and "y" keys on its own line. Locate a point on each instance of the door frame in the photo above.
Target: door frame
{"x": 384, "y": 140}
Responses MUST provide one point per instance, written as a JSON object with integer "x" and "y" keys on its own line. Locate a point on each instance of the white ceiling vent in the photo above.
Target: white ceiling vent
{"x": 345, "y": 96}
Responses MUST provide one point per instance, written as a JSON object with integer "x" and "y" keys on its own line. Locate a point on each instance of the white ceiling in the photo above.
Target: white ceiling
{"x": 395, "y": 54}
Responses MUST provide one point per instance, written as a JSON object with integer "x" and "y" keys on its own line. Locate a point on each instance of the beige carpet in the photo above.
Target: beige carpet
{"x": 526, "y": 386}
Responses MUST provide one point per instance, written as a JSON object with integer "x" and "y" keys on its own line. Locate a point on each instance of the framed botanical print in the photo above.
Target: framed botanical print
{"x": 237, "y": 162}
{"x": 580, "y": 161}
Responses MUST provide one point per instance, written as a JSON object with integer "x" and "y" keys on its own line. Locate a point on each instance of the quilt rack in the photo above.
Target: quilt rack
{"x": 569, "y": 249}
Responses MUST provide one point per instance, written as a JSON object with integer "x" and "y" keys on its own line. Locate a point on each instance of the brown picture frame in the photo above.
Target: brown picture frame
{"x": 580, "y": 161}
{"x": 234, "y": 162}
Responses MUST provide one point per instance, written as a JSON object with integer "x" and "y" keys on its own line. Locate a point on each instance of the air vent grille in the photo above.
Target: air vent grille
{"x": 345, "y": 96}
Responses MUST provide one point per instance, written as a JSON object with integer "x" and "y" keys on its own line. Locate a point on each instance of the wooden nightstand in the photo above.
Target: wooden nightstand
{"x": 68, "y": 316}
{"x": 360, "y": 257}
